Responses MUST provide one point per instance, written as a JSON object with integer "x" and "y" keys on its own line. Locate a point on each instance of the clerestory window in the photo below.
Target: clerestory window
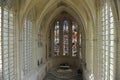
{"x": 7, "y": 36}
{"x": 27, "y": 46}
{"x": 108, "y": 43}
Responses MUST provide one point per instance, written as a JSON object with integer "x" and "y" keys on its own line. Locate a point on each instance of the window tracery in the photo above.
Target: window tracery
{"x": 65, "y": 38}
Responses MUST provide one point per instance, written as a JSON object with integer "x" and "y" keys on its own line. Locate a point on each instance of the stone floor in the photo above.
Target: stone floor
{"x": 63, "y": 75}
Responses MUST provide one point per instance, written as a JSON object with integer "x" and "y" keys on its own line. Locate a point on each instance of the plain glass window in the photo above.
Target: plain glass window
{"x": 108, "y": 39}
{"x": 27, "y": 46}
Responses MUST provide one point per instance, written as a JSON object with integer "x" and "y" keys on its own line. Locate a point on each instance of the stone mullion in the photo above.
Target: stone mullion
{"x": 118, "y": 44}
{"x": 61, "y": 38}
{"x": 108, "y": 43}
{"x": 70, "y": 38}
{"x": 78, "y": 41}
{"x": 118, "y": 53}
{"x": 2, "y": 40}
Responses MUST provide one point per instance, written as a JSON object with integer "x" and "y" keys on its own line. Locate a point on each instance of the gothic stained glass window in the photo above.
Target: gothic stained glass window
{"x": 56, "y": 39}
{"x": 74, "y": 39}
{"x": 65, "y": 37}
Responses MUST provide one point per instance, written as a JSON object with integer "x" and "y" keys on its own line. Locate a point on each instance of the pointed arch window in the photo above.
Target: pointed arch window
{"x": 7, "y": 36}
{"x": 108, "y": 43}
{"x": 74, "y": 39}
{"x": 65, "y": 38}
{"x": 27, "y": 46}
{"x": 56, "y": 39}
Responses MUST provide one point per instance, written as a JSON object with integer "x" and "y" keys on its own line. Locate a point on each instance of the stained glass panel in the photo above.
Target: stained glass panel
{"x": 65, "y": 37}
{"x": 56, "y": 39}
{"x": 74, "y": 39}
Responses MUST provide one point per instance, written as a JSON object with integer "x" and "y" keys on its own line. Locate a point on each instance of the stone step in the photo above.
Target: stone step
{"x": 54, "y": 75}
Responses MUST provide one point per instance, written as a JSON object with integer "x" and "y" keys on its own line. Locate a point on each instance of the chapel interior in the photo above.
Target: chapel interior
{"x": 59, "y": 39}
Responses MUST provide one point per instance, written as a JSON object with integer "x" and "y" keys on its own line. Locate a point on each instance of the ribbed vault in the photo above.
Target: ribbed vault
{"x": 43, "y": 9}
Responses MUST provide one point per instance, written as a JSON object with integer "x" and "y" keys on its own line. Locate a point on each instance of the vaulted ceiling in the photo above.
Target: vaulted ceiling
{"x": 44, "y": 11}
{"x": 85, "y": 8}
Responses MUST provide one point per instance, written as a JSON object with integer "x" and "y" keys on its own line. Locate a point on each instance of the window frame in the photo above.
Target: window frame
{"x": 27, "y": 46}
{"x": 108, "y": 42}
{"x": 10, "y": 40}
